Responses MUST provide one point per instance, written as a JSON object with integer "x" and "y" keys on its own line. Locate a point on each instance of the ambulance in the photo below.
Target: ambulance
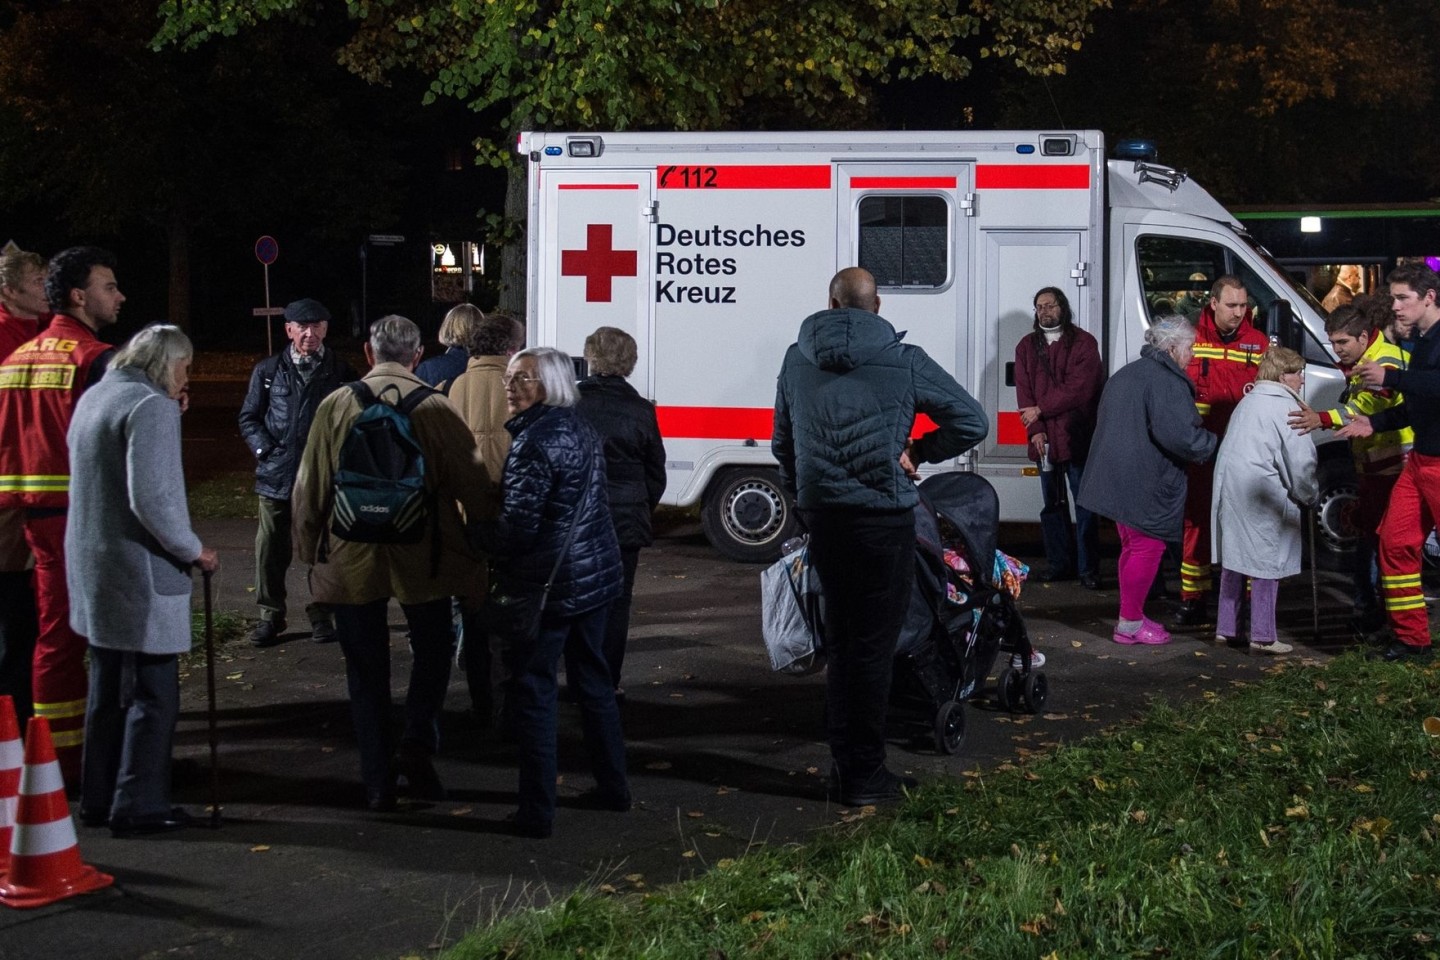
{"x": 711, "y": 248}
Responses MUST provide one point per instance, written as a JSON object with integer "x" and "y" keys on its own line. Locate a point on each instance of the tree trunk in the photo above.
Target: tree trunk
{"x": 512, "y": 255}
{"x": 179, "y": 300}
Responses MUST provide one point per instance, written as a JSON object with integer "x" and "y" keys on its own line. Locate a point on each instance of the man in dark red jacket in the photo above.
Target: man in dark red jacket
{"x": 1058, "y": 378}
{"x": 1227, "y": 357}
{"x": 39, "y": 385}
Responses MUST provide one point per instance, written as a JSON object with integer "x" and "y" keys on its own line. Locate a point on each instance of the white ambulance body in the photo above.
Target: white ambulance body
{"x": 710, "y": 249}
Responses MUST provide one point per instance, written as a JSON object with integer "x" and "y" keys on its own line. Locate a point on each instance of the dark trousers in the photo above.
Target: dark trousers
{"x": 534, "y": 690}
{"x": 477, "y": 658}
{"x": 18, "y": 628}
{"x": 617, "y": 621}
{"x": 273, "y": 553}
{"x": 129, "y": 727}
{"x": 1064, "y": 553}
{"x": 866, "y": 563}
{"x": 364, "y": 634}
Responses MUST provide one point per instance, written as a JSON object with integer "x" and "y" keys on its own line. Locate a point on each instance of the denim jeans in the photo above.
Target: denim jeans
{"x": 580, "y": 638}
{"x": 866, "y": 563}
{"x": 1060, "y": 548}
{"x": 364, "y": 634}
{"x": 129, "y": 727}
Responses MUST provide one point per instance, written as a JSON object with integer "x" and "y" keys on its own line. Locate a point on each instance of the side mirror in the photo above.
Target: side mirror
{"x": 1286, "y": 327}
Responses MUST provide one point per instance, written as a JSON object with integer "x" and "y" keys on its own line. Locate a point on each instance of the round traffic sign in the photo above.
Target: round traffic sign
{"x": 267, "y": 250}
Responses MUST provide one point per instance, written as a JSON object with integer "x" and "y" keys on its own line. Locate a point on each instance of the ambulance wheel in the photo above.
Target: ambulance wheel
{"x": 1036, "y": 691}
{"x": 746, "y": 515}
{"x": 1335, "y": 514}
{"x": 950, "y": 728}
{"x": 1007, "y": 689}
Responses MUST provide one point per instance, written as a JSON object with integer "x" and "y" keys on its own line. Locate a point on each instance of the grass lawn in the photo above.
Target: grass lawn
{"x": 1298, "y": 817}
{"x": 225, "y": 496}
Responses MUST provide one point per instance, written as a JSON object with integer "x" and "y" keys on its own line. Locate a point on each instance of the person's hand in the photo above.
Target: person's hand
{"x": 184, "y": 399}
{"x": 209, "y": 560}
{"x": 907, "y": 462}
{"x": 1037, "y": 446}
{"x": 1029, "y": 415}
{"x": 1371, "y": 372}
{"x": 1304, "y": 420}
{"x": 1357, "y": 429}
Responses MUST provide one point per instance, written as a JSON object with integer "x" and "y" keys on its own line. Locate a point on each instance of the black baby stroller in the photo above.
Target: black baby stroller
{"x": 959, "y": 620}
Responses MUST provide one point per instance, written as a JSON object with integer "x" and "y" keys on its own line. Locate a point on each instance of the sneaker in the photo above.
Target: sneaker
{"x": 1037, "y": 660}
{"x": 322, "y": 632}
{"x": 1150, "y": 633}
{"x": 882, "y": 786}
{"x": 1274, "y": 648}
{"x": 267, "y": 633}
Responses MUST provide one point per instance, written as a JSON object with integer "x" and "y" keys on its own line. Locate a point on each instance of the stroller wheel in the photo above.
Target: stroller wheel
{"x": 1036, "y": 691}
{"x": 950, "y": 727}
{"x": 1008, "y": 689}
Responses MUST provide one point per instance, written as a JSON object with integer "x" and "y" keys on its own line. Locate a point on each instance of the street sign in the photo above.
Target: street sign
{"x": 386, "y": 239}
{"x": 267, "y": 250}
{"x": 268, "y": 312}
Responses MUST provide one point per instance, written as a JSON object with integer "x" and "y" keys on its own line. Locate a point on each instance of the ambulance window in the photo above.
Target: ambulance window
{"x": 1176, "y": 274}
{"x": 904, "y": 241}
{"x": 1261, "y": 295}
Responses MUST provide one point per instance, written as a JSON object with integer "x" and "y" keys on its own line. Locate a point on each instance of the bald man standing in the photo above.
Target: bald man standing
{"x": 844, "y": 409}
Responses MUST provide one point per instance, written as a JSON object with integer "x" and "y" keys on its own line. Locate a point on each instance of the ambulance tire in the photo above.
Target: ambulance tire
{"x": 747, "y": 515}
{"x": 1334, "y": 514}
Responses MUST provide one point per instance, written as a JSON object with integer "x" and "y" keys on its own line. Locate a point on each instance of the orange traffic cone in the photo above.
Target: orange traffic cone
{"x": 11, "y": 754}
{"x": 45, "y": 863}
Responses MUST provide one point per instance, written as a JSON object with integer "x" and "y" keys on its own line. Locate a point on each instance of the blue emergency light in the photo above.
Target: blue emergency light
{"x": 1135, "y": 150}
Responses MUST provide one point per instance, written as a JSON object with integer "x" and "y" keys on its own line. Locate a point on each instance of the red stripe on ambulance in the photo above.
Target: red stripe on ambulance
{"x": 744, "y": 177}
{"x": 1020, "y": 176}
{"x": 735, "y": 423}
{"x": 597, "y": 186}
{"x": 902, "y": 183}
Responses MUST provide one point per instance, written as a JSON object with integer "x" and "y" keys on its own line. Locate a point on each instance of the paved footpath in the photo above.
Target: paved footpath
{"x": 724, "y": 756}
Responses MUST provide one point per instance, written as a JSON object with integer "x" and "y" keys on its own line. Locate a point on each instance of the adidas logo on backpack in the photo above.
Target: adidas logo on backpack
{"x": 379, "y": 484}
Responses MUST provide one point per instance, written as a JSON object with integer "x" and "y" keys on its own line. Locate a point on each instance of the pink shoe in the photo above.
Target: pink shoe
{"x": 1150, "y": 633}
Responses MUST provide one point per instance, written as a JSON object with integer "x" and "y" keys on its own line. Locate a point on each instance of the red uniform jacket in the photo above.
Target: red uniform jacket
{"x": 1221, "y": 369}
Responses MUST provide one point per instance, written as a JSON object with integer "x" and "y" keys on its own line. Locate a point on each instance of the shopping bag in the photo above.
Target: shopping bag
{"x": 790, "y": 610}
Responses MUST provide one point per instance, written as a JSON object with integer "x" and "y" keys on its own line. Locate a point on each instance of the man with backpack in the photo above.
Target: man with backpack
{"x": 386, "y": 467}
{"x": 275, "y": 420}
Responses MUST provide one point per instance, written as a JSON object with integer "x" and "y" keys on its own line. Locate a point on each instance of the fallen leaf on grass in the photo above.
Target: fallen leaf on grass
{"x": 688, "y": 854}
{"x": 1036, "y": 927}
{"x": 1376, "y": 828}
{"x": 694, "y": 814}
{"x": 260, "y": 848}
{"x": 461, "y": 811}
{"x": 634, "y": 878}
{"x": 1076, "y": 643}
{"x": 1297, "y": 812}
{"x": 1364, "y": 788}
{"x": 1139, "y": 816}
{"x": 924, "y": 862}
{"x": 235, "y": 676}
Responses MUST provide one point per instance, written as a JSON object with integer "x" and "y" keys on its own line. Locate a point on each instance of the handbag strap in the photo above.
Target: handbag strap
{"x": 574, "y": 522}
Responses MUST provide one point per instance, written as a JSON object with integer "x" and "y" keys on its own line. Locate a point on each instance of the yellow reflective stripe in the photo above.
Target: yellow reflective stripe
{"x": 68, "y": 738}
{"x": 1198, "y": 569}
{"x": 1202, "y": 408}
{"x": 1404, "y": 603}
{"x": 37, "y": 376}
{"x": 1400, "y": 581}
{"x": 59, "y": 711}
{"x": 1230, "y": 354}
{"x": 35, "y": 483}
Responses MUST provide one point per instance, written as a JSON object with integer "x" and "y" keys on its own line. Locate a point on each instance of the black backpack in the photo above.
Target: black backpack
{"x": 379, "y": 486}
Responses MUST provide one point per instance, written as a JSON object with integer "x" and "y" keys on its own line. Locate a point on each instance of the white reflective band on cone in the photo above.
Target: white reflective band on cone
{"x": 11, "y": 755}
{"x": 8, "y": 806}
{"x": 38, "y": 781}
{"x": 40, "y": 839}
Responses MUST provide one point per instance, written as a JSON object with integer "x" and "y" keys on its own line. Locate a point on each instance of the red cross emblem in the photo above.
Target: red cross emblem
{"x": 599, "y": 263}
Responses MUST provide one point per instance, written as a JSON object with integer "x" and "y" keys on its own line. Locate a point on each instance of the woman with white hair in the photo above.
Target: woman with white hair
{"x": 131, "y": 547}
{"x": 1147, "y": 430}
{"x": 555, "y": 529}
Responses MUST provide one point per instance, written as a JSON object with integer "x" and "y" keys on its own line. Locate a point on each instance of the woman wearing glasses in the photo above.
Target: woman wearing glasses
{"x": 554, "y": 478}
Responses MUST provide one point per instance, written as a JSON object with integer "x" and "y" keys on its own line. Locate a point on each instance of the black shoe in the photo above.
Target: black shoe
{"x": 1193, "y": 613}
{"x": 94, "y": 818}
{"x": 1399, "y": 652}
{"x": 1090, "y": 581}
{"x": 594, "y": 799}
{"x": 529, "y": 829}
{"x": 1056, "y": 576}
{"x": 267, "y": 633}
{"x": 380, "y": 801}
{"x": 882, "y": 786}
{"x": 323, "y": 632}
{"x": 419, "y": 775}
{"x": 176, "y": 819}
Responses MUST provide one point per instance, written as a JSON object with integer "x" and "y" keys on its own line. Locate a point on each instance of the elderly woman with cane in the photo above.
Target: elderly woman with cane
{"x": 131, "y": 548}
{"x": 1146, "y": 431}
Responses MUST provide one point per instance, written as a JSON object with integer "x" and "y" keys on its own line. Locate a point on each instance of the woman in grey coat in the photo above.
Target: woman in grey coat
{"x": 1146, "y": 431}
{"x": 1264, "y": 474}
{"x": 130, "y": 549}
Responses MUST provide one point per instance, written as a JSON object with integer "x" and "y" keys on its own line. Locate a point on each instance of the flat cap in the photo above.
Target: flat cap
{"x": 306, "y": 311}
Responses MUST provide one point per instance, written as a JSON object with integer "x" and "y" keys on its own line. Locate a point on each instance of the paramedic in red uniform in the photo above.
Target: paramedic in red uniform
{"x": 39, "y": 385}
{"x": 1227, "y": 355}
{"x": 1415, "y": 500}
{"x": 23, "y": 311}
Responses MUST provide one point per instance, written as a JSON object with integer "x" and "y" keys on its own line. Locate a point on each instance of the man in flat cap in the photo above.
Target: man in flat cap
{"x": 275, "y": 420}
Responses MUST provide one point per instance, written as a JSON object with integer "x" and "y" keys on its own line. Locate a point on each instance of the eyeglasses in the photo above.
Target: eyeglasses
{"x": 519, "y": 378}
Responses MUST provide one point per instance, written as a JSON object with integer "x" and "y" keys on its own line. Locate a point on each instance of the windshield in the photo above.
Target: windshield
{"x": 1299, "y": 289}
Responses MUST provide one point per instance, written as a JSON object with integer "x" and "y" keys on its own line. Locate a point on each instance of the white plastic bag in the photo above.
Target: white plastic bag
{"x": 790, "y": 612}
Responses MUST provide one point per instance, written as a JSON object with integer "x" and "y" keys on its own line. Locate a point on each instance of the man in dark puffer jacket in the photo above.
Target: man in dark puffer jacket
{"x": 844, "y": 411}
{"x": 275, "y": 418}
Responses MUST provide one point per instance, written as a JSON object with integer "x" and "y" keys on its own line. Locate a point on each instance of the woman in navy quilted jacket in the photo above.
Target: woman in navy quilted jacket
{"x": 555, "y": 476}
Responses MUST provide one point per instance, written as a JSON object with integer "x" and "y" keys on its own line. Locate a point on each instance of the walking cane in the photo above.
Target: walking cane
{"x": 1314, "y": 582}
{"x": 210, "y": 693}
